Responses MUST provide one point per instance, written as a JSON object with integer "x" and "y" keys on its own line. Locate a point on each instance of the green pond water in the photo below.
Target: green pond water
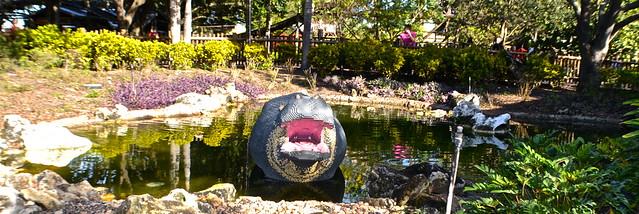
{"x": 157, "y": 156}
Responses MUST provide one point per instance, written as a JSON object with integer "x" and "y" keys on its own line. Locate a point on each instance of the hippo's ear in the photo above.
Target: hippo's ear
{"x": 316, "y": 97}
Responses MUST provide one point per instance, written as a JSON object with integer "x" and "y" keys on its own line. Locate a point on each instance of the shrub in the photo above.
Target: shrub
{"x": 153, "y": 52}
{"x": 537, "y": 68}
{"x": 633, "y": 122}
{"x": 154, "y": 93}
{"x": 428, "y": 62}
{"x": 286, "y": 52}
{"x": 541, "y": 176}
{"x": 49, "y": 37}
{"x": 42, "y": 58}
{"x": 255, "y": 55}
{"x": 370, "y": 54}
{"x": 107, "y": 50}
{"x": 324, "y": 58}
{"x": 215, "y": 54}
{"x": 181, "y": 55}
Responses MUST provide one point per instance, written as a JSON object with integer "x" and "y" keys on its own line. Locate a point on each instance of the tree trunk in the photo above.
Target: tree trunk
{"x": 53, "y": 12}
{"x": 125, "y": 15}
{"x": 306, "y": 37}
{"x": 174, "y": 21}
{"x": 249, "y": 12}
{"x": 188, "y": 21}
{"x": 268, "y": 26}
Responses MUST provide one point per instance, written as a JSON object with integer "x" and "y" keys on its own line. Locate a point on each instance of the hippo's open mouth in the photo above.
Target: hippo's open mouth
{"x": 305, "y": 142}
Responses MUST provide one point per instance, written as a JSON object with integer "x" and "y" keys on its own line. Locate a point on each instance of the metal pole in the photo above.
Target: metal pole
{"x": 453, "y": 173}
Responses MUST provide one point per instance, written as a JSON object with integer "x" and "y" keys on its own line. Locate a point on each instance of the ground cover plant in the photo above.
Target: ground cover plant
{"x": 153, "y": 93}
{"x": 542, "y": 175}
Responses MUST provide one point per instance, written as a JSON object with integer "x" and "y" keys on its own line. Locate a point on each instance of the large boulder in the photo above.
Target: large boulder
{"x": 490, "y": 124}
{"x": 465, "y": 109}
{"x": 169, "y": 204}
{"x": 53, "y": 145}
{"x": 224, "y": 191}
{"x": 13, "y": 127}
{"x": 193, "y": 103}
{"x": 421, "y": 185}
{"x": 48, "y": 199}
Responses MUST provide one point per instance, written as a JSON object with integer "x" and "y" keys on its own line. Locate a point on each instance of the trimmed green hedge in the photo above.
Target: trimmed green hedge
{"x": 429, "y": 62}
{"x": 107, "y": 50}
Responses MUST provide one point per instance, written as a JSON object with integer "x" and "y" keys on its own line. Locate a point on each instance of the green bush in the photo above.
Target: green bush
{"x": 107, "y": 50}
{"x": 286, "y": 51}
{"x": 324, "y": 58}
{"x": 49, "y": 37}
{"x": 370, "y": 54}
{"x": 428, "y": 62}
{"x": 42, "y": 58}
{"x": 479, "y": 65}
{"x": 255, "y": 55}
{"x": 540, "y": 175}
{"x": 214, "y": 54}
{"x": 153, "y": 52}
{"x": 181, "y": 55}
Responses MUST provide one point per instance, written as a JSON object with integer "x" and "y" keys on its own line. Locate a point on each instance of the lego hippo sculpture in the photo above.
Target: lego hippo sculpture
{"x": 298, "y": 139}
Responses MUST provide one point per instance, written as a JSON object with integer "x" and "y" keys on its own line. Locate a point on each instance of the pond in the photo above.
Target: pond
{"x": 195, "y": 153}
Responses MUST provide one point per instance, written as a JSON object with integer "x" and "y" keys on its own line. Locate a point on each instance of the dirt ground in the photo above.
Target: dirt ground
{"x": 50, "y": 95}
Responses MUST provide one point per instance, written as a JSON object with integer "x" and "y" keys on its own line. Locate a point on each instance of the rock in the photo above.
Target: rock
{"x": 383, "y": 180}
{"x": 193, "y": 103}
{"x": 465, "y": 109}
{"x": 380, "y": 202}
{"x": 418, "y": 185}
{"x": 148, "y": 204}
{"x": 46, "y": 136}
{"x": 47, "y": 199}
{"x": 49, "y": 180}
{"x": 229, "y": 92}
{"x": 10, "y": 200}
{"x": 183, "y": 196}
{"x": 53, "y": 145}
{"x": 491, "y": 124}
{"x": 20, "y": 181}
{"x": 224, "y": 191}
{"x": 84, "y": 190}
{"x": 103, "y": 113}
{"x": 459, "y": 97}
{"x": 13, "y": 127}
{"x": 438, "y": 177}
{"x": 55, "y": 157}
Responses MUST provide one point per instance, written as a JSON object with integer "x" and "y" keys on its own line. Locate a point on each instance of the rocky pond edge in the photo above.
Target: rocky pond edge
{"x": 49, "y": 192}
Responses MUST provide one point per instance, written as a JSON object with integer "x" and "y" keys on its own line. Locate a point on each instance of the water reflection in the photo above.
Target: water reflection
{"x": 195, "y": 153}
{"x": 269, "y": 189}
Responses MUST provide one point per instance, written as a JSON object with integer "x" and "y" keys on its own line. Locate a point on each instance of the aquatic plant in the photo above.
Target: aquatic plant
{"x": 155, "y": 93}
{"x": 542, "y": 176}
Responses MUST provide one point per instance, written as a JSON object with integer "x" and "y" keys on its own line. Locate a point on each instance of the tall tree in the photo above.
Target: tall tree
{"x": 188, "y": 21}
{"x": 512, "y": 20}
{"x": 126, "y": 12}
{"x": 597, "y": 24}
{"x": 174, "y": 20}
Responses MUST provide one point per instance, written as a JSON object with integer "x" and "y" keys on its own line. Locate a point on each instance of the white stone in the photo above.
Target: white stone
{"x": 52, "y": 145}
{"x": 182, "y": 195}
{"x": 466, "y": 109}
{"x": 13, "y": 127}
{"x": 489, "y": 123}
